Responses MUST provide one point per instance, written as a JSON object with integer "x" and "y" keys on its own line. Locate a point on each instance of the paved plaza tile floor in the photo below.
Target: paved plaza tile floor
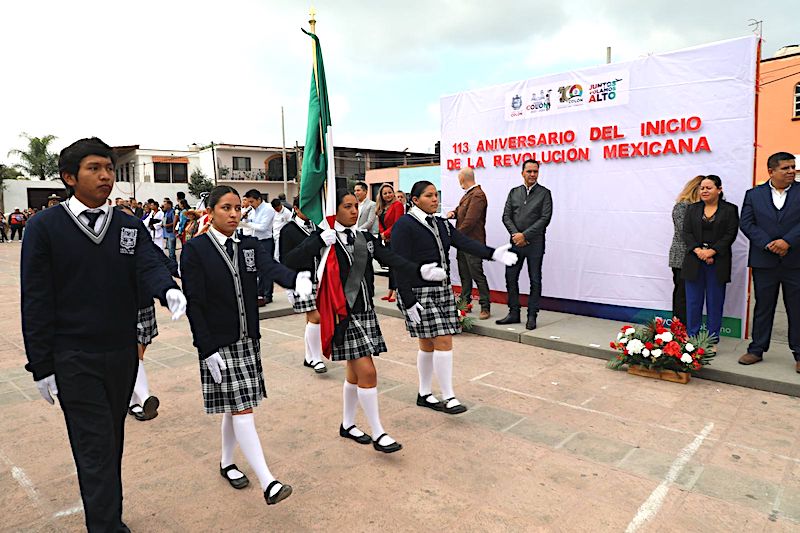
{"x": 552, "y": 442}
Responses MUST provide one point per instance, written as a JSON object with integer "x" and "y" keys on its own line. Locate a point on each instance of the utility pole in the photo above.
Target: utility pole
{"x": 608, "y": 55}
{"x": 283, "y": 153}
{"x": 214, "y": 162}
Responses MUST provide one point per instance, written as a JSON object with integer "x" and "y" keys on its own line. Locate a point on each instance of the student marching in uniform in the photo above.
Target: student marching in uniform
{"x": 357, "y": 338}
{"x": 144, "y": 406}
{"x": 430, "y": 306}
{"x": 293, "y": 233}
{"x": 219, "y": 272}
{"x": 81, "y": 343}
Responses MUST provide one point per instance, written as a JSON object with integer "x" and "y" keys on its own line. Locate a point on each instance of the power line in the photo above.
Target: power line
{"x": 779, "y": 79}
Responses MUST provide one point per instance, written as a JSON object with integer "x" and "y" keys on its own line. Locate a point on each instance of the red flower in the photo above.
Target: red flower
{"x": 673, "y": 348}
{"x": 696, "y": 365}
{"x": 613, "y": 345}
{"x": 660, "y": 330}
{"x": 659, "y": 341}
{"x": 463, "y": 313}
{"x": 700, "y": 351}
{"x": 649, "y": 345}
{"x": 623, "y": 328}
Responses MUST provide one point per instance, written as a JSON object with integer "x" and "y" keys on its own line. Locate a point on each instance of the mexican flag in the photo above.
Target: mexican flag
{"x": 318, "y": 177}
{"x": 318, "y": 198}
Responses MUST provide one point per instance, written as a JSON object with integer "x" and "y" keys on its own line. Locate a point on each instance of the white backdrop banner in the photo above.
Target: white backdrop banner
{"x": 617, "y": 143}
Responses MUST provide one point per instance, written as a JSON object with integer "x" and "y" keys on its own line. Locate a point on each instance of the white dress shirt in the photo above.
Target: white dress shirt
{"x": 78, "y": 208}
{"x": 221, "y": 237}
{"x": 247, "y": 213}
{"x": 261, "y": 221}
{"x": 778, "y": 197}
{"x": 280, "y": 220}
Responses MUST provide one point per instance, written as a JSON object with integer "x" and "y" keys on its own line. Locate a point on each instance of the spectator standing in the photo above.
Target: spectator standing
{"x": 470, "y": 216}
{"x": 282, "y": 216}
{"x": 168, "y": 225}
{"x": 367, "y": 219}
{"x": 388, "y": 210}
{"x": 709, "y": 229}
{"x": 16, "y": 221}
{"x": 677, "y": 251}
{"x": 526, "y": 215}
{"x": 261, "y": 224}
{"x": 154, "y": 223}
{"x": 771, "y": 220}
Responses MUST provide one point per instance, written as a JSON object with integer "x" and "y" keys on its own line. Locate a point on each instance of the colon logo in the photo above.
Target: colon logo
{"x": 516, "y": 102}
{"x": 540, "y": 102}
{"x": 571, "y": 94}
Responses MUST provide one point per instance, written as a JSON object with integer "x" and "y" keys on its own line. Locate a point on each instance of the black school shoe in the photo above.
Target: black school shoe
{"x": 363, "y": 439}
{"x": 422, "y": 401}
{"x": 455, "y": 410}
{"x": 389, "y": 448}
{"x": 282, "y": 494}
{"x": 317, "y": 369}
{"x": 240, "y": 483}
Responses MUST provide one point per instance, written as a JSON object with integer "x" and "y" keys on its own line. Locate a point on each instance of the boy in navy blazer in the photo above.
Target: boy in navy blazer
{"x": 82, "y": 265}
{"x": 771, "y": 220}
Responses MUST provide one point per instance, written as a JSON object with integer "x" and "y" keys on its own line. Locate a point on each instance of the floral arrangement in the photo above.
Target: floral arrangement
{"x": 656, "y": 346}
{"x": 464, "y": 319}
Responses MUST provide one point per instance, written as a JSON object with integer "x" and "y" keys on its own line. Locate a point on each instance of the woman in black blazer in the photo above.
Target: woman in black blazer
{"x": 219, "y": 272}
{"x": 709, "y": 229}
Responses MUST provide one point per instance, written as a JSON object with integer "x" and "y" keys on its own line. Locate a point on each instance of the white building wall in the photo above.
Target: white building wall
{"x": 16, "y": 192}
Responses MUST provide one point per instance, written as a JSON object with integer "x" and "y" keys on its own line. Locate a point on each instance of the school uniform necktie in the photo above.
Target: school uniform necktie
{"x": 229, "y": 247}
{"x": 429, "y": 220}
{"x": 92, "y": 215}
{"x": 350, "y": 237}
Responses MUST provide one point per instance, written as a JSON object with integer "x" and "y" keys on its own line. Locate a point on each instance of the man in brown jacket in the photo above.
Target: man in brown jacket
{"x": 470, "y": 218}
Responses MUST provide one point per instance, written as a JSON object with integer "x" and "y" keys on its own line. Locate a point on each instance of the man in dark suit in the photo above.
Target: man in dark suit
{"x": 470, "y": 216}
{"x": 771, "y": 220}
{"x": 526, "y": 216}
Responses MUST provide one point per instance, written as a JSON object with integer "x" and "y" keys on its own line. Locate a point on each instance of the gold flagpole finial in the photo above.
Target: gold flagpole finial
{"x": 312, "y": 22}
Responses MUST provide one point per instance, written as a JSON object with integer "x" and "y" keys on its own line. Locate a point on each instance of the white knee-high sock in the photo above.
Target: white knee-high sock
{"x": 141, "y": 389}
{"x": 349, "y": 406}
{"x": 443, "y": 368}
{"x": 244, "y": 427}
{"x": 228, "y": 440}
{"x": 425, "y": 370}
{"x": 313, "y": 343}
{"x": 369, "y": 403}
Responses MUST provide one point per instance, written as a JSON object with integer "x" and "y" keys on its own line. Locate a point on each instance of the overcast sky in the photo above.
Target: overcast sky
{"x": 169, "y": 73}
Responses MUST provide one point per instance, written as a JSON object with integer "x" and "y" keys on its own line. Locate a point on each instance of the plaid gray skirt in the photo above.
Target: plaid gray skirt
{"x": 363, "y": 337}
{"x": 309, "y": 303}
{"x": 242, "y": 384}
{"x": 146, "y": 327}
{"x": 439, "y": 315}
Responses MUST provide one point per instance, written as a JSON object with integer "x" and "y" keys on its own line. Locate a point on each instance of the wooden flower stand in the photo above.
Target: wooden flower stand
{"x": 666, "y": 375}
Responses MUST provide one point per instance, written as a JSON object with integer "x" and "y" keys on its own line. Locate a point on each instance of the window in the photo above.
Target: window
{"x": 241, "y": 163}
{"x": 170, "y": 173}
{"x": 797, "y": 101}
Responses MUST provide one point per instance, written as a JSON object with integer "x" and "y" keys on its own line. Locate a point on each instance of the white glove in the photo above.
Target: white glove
{"x": 413, "y": 313}
{"x": 290, "y": 297}
{"x": 328, "y": 236}
{"x": 503, "y": 255}
{"x": 47, "y": 388}
{"x": 431, "y": 272}
{"x": 302, "y": 284}
{"x": 176, "y": 302}
{"x": 216, "y": 365}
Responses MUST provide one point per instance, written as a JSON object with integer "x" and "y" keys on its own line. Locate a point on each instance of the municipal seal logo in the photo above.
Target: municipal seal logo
{"x": 250, "y": 260}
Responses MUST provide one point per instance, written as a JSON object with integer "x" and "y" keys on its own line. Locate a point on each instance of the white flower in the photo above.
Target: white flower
{"x": 624, "y": 340}
{"x": 656, "y": 353}
{"x": 646, "y": 352}
{"x": 635, "y": 346}
{"x": 630, "y": 331}
{"x": 666, "y": 337}
{"x": 686, "y": 358}
{"x": 689, "y": 347}
{"x": 619, "y": 336}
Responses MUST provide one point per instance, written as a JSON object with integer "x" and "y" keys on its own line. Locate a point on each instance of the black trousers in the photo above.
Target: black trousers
{"x": 17, "y": 230}
{"x": 470, "y": 267}
{"x": 533, "y": 254}
{"x": 678, "y": 296}
{"x": 94, "y": 390}
{"x": 264, "y": 281}
{"x": 767, "y": 282}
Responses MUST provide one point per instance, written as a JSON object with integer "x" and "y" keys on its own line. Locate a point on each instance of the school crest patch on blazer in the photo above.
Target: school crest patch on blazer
{"x": 127, "y": 240}
{"x": 250, "y": 260}
{"x": 371, "y": 247}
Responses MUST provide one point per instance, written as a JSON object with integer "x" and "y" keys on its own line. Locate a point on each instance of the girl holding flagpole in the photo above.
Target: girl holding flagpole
{"x": 219, "y": 273}
{"x": 292, "y": 235}
{"x": 430, "y": 306}
{"x": 357, "y": 337}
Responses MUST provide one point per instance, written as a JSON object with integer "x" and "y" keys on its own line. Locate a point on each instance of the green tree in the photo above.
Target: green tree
{"x": 37, "y": 160}
{"x": 199, "y": 183}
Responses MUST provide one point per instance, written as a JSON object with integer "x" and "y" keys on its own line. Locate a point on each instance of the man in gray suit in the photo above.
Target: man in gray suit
{"x": 526, "y": 216}
{"x": 367, "y": 221}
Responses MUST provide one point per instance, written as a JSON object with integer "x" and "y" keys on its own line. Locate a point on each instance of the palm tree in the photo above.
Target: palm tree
{"x": 37, "y": 160}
